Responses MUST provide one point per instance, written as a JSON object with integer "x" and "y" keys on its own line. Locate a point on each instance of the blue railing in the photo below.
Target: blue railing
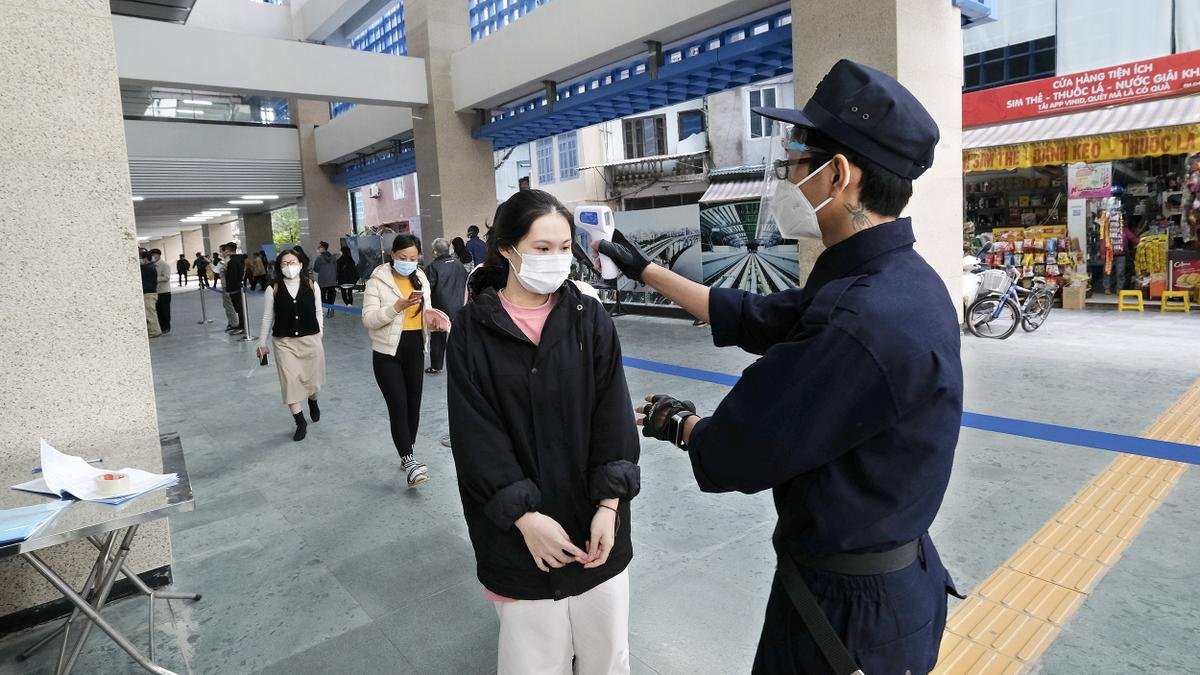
{"x": 385, "y": 36}
{"x": 748, "y": 52}
{"x": 489, "y": 16}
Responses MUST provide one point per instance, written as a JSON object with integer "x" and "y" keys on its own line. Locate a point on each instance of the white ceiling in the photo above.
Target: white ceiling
{"x": 161, "y": 217}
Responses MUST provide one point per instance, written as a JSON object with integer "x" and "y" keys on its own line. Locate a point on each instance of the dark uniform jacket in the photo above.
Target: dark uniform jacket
{"x": 547, "y": 428}
{"x": 853, "y": 412}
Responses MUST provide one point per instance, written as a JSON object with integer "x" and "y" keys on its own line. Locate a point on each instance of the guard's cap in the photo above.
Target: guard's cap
{"x": 871, "y": 113}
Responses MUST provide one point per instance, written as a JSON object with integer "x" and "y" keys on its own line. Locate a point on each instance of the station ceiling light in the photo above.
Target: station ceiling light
{"x": 138, "y": 199}
{"x": 245, "y": 201}
{"x": 259, "y": 197}
{"x": 196, "y": 102}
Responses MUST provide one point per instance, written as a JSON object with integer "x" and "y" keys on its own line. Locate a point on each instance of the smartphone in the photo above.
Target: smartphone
{"x": 416, "y": 295}
{"x": 263, "y": 360}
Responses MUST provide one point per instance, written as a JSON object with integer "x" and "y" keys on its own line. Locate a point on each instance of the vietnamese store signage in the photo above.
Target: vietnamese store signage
{"x": 1148, "y": 143}
{"x": 1137, "y": 81}
{"x": 1089, "y": 181}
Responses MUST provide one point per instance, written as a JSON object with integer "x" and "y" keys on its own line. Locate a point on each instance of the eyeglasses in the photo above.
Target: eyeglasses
{"x": 782, "y": 167}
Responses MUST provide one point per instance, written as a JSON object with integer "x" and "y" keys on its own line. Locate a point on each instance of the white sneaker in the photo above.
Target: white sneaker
{"x": 417, "y": 472}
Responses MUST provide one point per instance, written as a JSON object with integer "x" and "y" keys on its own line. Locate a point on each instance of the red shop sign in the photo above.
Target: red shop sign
{"x": 1137, "y": 81}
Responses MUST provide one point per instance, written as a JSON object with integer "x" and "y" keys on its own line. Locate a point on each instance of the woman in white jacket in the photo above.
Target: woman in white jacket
{"x": 398, "y": 315}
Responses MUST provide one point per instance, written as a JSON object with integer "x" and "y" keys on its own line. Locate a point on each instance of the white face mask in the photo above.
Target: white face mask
{"x": 543, "y": 274}
{"x": 291, "y": 271}
{"x": 795, "y": 216}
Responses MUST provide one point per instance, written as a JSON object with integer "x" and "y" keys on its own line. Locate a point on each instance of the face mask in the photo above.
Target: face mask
{"x": 795, "y": 216}
{"x": 543, "y": 274}
{"x": 404, "y": 267}
{"x": 291, "y": 271}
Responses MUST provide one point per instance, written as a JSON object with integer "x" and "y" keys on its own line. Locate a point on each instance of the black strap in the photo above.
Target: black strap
{"x": 815, "y": 620}
{"x": 863, "y": 564}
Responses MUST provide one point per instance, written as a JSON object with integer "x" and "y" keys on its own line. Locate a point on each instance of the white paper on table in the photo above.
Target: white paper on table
{"x": 68, "y": 476}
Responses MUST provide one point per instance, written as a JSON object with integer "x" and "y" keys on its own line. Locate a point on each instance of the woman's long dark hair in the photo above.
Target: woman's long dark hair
{"x": 401, "y": 242}
{"x": 279, "y": 278}
{"x": 512, "y": 222}
{"x": 460, "y": 250}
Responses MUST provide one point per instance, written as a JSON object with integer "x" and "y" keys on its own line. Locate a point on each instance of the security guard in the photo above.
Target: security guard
{"x": 852, "y": 413}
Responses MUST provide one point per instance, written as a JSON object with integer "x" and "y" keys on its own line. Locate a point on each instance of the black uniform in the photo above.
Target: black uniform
{"x": 853, "y": 412}
{"x": 852, "y": 416}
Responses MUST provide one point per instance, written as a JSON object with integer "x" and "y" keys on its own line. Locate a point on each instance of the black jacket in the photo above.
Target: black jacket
{"x": 149, "y": 278}
{"x": 448, "y": 284}
{"x": 347, "y": 273}
{"x": 235, "y": 270}
{"x": 545, "y": 428}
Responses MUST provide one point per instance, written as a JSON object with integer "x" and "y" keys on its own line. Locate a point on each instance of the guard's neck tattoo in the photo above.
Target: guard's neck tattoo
{"x": 858, "y": 216}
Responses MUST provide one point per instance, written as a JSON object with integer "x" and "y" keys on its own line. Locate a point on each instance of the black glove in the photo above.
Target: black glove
{"x": 627, "y": 256}
{"x": 664, "y": 418}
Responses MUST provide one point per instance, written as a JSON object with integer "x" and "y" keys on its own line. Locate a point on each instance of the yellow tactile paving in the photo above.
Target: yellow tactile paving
{"x": 1016, "y": 613}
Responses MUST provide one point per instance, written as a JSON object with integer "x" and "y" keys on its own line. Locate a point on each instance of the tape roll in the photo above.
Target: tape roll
{"x": 110, "y": 484}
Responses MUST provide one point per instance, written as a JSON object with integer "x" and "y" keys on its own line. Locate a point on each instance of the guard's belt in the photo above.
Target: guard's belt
{"x": 862, "y": 564}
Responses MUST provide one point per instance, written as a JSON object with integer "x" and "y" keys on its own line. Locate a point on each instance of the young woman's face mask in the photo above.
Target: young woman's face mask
{"x": 543, "y": 274}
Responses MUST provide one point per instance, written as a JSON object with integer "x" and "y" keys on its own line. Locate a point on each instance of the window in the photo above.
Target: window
{"x": 645, "y": 136}
{"x": 398, "y": 187}
{"x": 691, "y": 122}
{"x": 545, "y": 160}
{"x": 568, "y": 155}
{"x": 759, "y": 125}
{"x": 1020, "y": 62}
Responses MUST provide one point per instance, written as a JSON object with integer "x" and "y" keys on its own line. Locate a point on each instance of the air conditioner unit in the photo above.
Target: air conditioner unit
{"x": 373, "y": 191}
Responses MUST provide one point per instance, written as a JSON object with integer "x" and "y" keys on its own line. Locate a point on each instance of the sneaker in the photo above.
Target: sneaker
{"x": 237, "y": 331}
{"x": 416, "y": 472}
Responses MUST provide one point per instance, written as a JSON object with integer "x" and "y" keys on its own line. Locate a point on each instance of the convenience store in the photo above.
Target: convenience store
{"x": 1056, "y": 170}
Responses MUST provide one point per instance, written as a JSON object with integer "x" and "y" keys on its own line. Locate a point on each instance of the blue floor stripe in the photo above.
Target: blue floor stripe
{"x": 1087, "y": 438}
{"x": 1134, "y": 445}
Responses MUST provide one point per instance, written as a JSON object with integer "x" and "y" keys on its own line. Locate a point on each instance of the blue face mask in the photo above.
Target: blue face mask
{"x": 404, "y": 267}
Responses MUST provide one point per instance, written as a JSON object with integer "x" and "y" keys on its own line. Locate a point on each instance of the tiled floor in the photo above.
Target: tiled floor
{"x": 314, "y": 558}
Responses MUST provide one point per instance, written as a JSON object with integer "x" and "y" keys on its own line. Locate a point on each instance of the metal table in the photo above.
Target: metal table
{"x": 111, "y": 529}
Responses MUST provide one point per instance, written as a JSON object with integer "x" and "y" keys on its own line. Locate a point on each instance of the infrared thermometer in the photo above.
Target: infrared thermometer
{"x": 595, "y": 223}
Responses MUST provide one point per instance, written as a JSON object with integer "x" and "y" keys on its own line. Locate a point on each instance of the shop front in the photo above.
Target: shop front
{"x": 1098, "y": 194}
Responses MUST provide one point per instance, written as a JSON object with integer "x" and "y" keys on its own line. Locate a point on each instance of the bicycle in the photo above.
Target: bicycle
{"x": 996, "y": 313}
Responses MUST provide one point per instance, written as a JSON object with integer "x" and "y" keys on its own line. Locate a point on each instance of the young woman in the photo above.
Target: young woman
{"x": 545, "y": 448}
{"x": 396, "y": 313}
{"x": 347, "y": 275}
{"x": 292, "y": 316}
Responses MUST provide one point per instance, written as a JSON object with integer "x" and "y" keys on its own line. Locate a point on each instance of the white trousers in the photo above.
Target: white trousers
{"x": 540, "y": 637}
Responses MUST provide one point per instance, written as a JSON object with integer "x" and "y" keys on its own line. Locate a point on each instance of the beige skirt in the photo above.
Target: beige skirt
{"x": 301, "y": 365}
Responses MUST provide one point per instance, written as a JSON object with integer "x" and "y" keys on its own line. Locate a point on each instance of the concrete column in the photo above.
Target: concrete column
{"x": 920, "y": 44}
{"x": 193, "y": 243}
{"x": 87, "y": 392}
{"x": 456, "y": 175}
{"x": 325, "y": 208}
{"x": 256, "y": 231}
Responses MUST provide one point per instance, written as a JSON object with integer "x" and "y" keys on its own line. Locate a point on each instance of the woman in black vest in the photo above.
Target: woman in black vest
{"x": 292, "y": 316}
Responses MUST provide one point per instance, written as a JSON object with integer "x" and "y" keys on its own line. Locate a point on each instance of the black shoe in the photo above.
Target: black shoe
{"x": 314, "y": 410}
{"x": 301, "y": 427}
{"x": 238, "y": 331}
{"x": 433, "y": 371}
{"x": 228, "y": 329}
